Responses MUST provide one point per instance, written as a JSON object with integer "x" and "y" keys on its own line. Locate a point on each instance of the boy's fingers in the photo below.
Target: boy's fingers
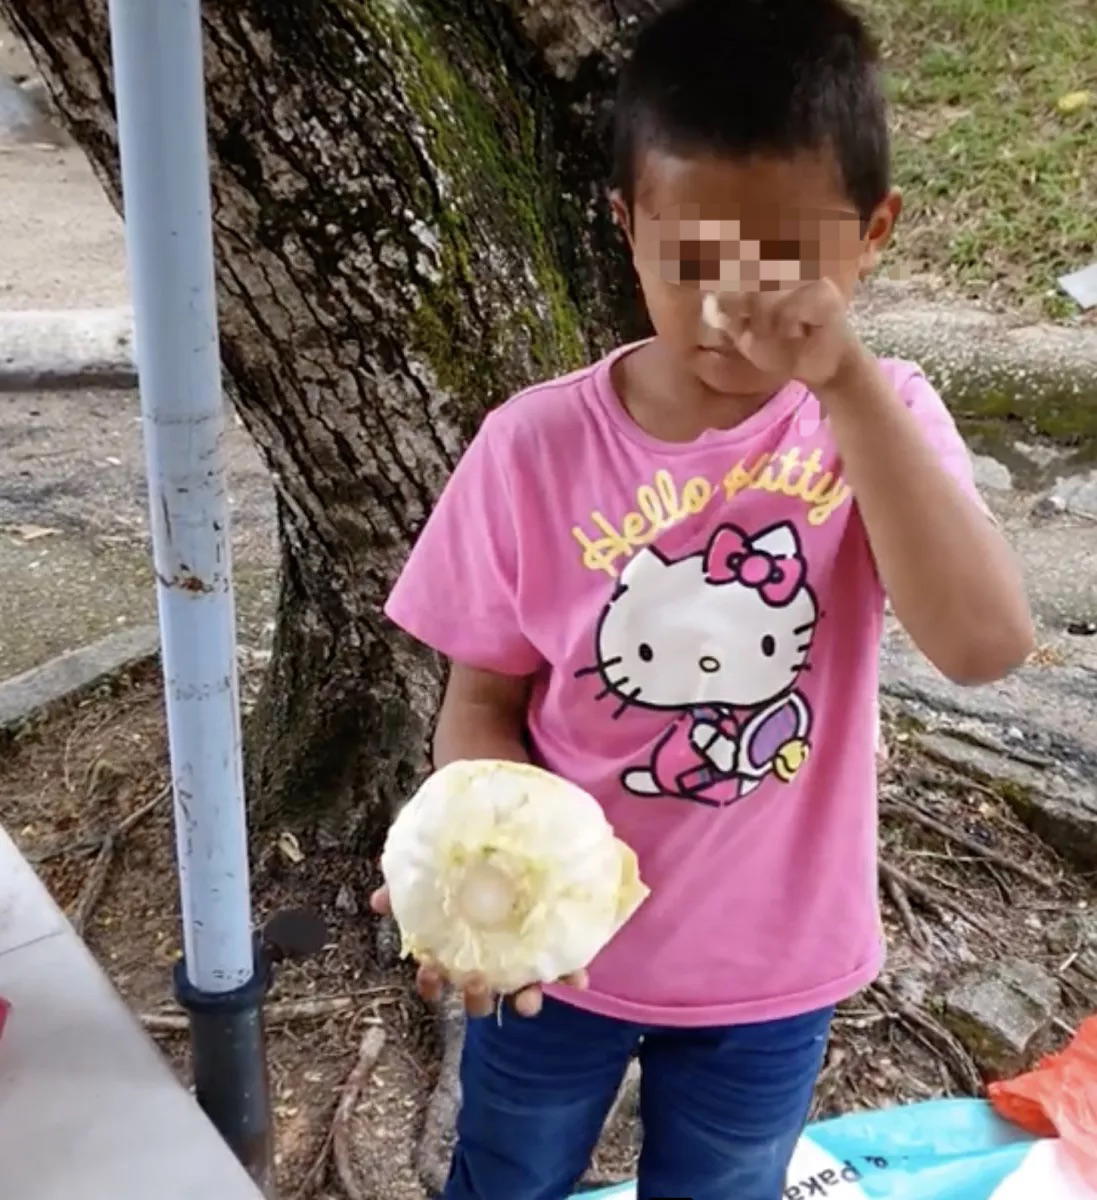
{"x": 792, "y": 328}
{"x": 380, "y": 902}
{"x": 763, "y": 307}
{"x": 741, "y": 319}
{"x": 430, "y": 984}
{"x": 813, "y": 304}
{"x": 528, "y": 1001}
{"x": 479, "y": 1001}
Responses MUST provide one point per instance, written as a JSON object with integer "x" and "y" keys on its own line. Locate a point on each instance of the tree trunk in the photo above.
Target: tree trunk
{"x": 410, "y": 224}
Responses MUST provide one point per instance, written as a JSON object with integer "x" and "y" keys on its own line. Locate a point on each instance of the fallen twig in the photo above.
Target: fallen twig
{"x": 432, "y": 1152}
{"x": 86, "y": 845}
{"x": 93, "y": 885}
{"x": 79, "y": 727}
{"x": 932, "y": 898}
{"x": 830, "y": 1079}
{"x": 97, "y": 876}
{"x": 939, "y": 774}
{"x": 139, "y": 814}
{"x": 1014, "y": 753}
{"x": 94, "y": 843}
{"x": 341, "y": 1136}
{"x": 315, "y": 1174}
{"x": 628, "y": 1094}
{"x": 899, "y": 898}
{"x": 912, "y": 812}
{"x": 941, "y": 1041}
{"x": 273, "y": 1014}
{"x": 1072, "y": 958}
{"x": 860, "y": 1024}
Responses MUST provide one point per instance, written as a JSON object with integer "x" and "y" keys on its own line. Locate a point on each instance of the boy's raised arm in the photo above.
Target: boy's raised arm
{"x": 952, "y": 578}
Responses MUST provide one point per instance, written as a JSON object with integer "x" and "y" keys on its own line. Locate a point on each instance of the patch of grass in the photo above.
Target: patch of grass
{"x": 1000, "y": 184}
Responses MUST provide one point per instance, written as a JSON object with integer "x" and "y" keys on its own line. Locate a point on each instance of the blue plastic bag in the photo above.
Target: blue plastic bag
{"x": 945, "y": 1150}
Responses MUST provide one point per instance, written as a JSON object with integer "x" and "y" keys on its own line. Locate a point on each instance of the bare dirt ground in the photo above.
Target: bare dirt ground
{"x": 73, "y": 779}
{"x": 74, "y": 552}
{"x": 74, "y": 548}
{"x": 76, "y": 776}
{"x": 74, "y": 557}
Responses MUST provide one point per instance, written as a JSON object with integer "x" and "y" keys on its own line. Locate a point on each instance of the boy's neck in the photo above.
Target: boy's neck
{"x": 672, "y": 404}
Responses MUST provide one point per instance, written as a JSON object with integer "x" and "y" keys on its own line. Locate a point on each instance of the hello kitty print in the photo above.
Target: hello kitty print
{"x": 699, "y": 626}
{"x": 719, "y": 640}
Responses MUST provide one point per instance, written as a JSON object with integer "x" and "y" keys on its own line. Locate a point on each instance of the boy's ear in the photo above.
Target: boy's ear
{"x": 881, "y": 226}
{"x": 621, "y": 216}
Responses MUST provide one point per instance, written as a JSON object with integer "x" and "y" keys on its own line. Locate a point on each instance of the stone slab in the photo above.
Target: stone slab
{"x": 1041, "y": 712}
{"x": 24, "y": 116}
{"x": 41, "y": 350}
{"x": 22, "y": 696}
{"x": 1077, "y": 494}
{"x": 990, "y": 474}
{"x": 999, "y": 1010}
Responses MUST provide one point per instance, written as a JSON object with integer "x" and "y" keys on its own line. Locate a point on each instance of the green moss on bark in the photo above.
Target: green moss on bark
{"x": 496, "y": 223}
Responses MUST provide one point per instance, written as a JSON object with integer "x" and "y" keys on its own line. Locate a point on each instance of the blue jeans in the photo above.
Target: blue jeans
{"x": 722, "y": 1108}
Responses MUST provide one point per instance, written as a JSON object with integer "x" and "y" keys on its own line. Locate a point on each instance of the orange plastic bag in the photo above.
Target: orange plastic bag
{"x": 1059, "y": 1098}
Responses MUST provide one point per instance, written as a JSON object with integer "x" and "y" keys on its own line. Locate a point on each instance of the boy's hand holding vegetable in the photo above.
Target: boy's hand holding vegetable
{"x": 431, "y": 980}
{"x": 503, "y": 877}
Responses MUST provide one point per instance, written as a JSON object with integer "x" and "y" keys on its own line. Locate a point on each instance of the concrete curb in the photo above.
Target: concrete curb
{"x": 34, "y": 691}
{"x": 49, "y": 351}
{"x": 987, "y": 365}
{"x": 1040, "y": 712}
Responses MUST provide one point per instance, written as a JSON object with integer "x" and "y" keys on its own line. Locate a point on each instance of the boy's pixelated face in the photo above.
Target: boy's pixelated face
{"x": 710, "y": 224}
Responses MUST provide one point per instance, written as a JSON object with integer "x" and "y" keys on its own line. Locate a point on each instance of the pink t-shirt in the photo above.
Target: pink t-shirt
{"x": 703, "y": 621}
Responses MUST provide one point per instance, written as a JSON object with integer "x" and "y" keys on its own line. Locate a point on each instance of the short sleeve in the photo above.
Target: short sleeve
{"x": 939, "y": 429}
{"x": 458, "y": 592}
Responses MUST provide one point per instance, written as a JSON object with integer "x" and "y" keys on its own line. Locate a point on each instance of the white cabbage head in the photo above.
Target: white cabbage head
{"x": 504, "y": 869}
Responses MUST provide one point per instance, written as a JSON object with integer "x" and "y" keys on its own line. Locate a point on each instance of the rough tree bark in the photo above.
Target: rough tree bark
{"x": 409, "y": 223}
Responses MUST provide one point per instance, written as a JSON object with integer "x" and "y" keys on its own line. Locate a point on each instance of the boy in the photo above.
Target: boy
{"x": 663, "y": 577}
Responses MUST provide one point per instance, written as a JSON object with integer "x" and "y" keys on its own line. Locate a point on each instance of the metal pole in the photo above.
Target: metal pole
{"x": 157, "y": 46}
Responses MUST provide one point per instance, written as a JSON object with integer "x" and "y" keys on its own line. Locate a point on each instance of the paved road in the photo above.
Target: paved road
{"x": 73, "y": 465}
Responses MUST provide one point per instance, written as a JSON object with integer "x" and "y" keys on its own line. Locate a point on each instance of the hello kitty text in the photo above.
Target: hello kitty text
{"x": 662, "y": 503}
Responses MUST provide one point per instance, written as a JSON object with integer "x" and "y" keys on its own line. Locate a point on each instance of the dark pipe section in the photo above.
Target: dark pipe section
{"x": 228, "y": 1043}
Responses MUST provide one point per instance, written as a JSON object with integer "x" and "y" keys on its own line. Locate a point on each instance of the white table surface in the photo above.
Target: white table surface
{"x": 89, "y": 1108}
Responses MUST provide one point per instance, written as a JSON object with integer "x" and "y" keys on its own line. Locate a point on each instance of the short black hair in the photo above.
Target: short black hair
{"x": 740, "y": 78}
